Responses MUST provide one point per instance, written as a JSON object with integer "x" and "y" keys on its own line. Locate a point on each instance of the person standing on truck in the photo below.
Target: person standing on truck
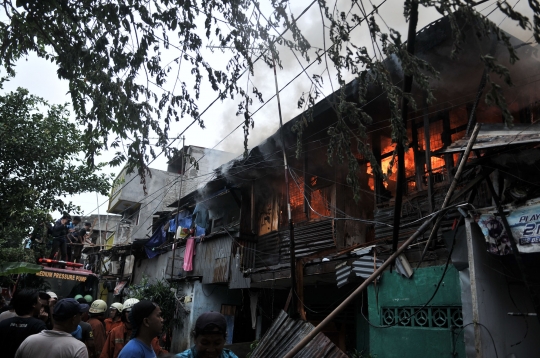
{"x": 59, "y": 233}
{"x": 145, "y": 317}
{"x": 77, "y": 240}
{"x": 97, "y": 315}
{"x": 13, "y": 331}
{"x": 115, "y": 319}
{"x": 119, "y": 336}
{"x": 58, "y": 342}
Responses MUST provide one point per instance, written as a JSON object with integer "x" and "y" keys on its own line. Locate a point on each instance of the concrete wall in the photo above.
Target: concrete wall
{"x": 193, "y": 179}
{"x": 138, "y": 223}
{"x": 414, "y": 340}
{"x": 498, "y": 290}
{"x": 204, "y": 298}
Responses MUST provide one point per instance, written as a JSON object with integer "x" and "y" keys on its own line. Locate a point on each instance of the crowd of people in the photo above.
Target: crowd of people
{"x": 38, "y": 325}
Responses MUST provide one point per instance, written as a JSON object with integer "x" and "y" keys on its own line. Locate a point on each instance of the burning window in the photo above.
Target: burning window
{"x": 390, "y": 183}
{"x": 296, "y": 196}
{"x": 320, "y": 202}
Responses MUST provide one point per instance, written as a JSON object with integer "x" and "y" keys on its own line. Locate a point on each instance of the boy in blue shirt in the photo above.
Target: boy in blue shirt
{"x": 145, "y": 317}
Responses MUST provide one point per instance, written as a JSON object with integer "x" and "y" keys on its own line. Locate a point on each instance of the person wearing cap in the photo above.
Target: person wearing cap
{"x": 13, "y": 331}
{"x": 87, "y": 333}
{"x": 97, "y": 315}
{"x": 114, "y": 319}
{"x": 120, "y": 336}
{"x": 147, "y": 323}
{"x": 57, "y": 342}
{"x": 210, "y": 335}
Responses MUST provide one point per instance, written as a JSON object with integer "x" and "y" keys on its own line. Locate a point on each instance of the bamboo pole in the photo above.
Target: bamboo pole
{"x": 450, "y": 191}
{"x": 359, "y": 290}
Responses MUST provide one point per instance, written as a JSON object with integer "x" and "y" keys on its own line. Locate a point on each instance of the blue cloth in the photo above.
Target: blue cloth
{"x": 136, "y": 349}
{"x": 181, "y": 215}
{"x": 202, "y": 215}
{"x": 184, "y": 220}
{"x": 157, "y": 239}
{"x": 192, "y": 353}
{"x": 77, "y": 333}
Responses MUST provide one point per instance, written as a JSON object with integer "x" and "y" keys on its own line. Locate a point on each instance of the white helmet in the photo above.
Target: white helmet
{"x": 130, "y": 302}
{"x": 98, "y": 306}
{"x": 117, "y": 306}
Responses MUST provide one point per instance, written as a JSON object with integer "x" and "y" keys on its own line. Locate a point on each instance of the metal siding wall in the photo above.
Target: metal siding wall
{"x": 246, "y": 253}
{"x": 212, "y": 260}
{"x": 273, "y": 249}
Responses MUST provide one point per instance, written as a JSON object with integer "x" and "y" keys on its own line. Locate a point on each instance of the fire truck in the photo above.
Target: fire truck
{"x": 66, "y": 279}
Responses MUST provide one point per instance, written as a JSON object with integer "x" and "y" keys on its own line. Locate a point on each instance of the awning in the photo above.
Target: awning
{"x": 499, "y": 135}
{"x": 11, "y": 268}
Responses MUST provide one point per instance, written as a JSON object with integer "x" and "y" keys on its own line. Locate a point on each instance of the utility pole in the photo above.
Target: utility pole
{"x": 178, "y": 207}
{"x": 294, "y": 301}
{"x": 407, "y": 86}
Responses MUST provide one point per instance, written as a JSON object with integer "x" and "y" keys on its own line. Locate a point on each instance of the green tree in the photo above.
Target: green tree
{"x": 112, "y": 55}
{"x": 39, "y": 164}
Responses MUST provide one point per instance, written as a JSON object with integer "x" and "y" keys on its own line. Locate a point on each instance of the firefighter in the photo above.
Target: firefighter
{"x": 114, "y": 320}
{"x": 119, "y": 336}
{"x": 97, "y": 315}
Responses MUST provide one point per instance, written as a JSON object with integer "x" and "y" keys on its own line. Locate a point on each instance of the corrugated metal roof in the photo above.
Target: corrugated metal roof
{"x": 343, "y": 272}
{"x": 365, "y": 266}
{"x": 286, "y": 332}
{"x": 273, "y": 248}
{"x": 498, "y": 135}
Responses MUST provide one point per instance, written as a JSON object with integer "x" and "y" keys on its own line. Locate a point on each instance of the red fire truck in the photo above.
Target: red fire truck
{"x": 66, "y": 279}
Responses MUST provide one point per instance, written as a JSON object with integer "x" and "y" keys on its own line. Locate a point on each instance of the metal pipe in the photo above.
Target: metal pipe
{"x": 407, "y": 87}
{"x": 359, "y": 290}
{"x": 450, "y": 191}
{"x": 295, "y": 312}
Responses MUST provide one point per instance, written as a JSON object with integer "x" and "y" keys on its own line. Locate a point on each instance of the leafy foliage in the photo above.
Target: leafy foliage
{"x": 39, "y": 163}
{"x": 112, "y": 55}
{"x": 161, "y": 293}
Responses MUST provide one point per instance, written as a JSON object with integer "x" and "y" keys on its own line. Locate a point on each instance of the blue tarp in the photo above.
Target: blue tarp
{"x": 185, "y": 222}
{"x": 157, "y": 239}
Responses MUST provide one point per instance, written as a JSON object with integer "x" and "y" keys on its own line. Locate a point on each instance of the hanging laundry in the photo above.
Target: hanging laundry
{"x": 188, "y": 254}
{"x": 157, "y": 239}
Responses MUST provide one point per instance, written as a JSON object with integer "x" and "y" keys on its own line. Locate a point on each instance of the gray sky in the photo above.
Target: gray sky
{"x": 39, "y": 76}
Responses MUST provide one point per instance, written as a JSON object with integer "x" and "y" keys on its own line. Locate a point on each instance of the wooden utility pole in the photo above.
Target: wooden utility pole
{"x": 407, "y": 86}
{"x": 295, "y": 312}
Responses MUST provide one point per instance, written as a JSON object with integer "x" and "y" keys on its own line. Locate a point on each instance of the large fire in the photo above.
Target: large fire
{"x": 457, "y": 122}
{"x": 319, "y": 199}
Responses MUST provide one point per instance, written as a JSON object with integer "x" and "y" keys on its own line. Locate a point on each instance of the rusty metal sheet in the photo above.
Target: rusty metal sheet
{"x": 286, "y": 332}
{"x": 212, "y": 259}
{"x": 497, "y": 135}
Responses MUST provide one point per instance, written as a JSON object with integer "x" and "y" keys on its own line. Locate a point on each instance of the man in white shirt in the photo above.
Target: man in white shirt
{"x": 58, "y": 342}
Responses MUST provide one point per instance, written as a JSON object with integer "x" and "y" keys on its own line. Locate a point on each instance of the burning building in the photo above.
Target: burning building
{"x": 232, "y": 252}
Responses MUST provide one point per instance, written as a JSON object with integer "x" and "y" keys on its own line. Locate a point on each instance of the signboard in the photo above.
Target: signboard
{"x": 525, "y": 225}
{"x": 61, "y": 276}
